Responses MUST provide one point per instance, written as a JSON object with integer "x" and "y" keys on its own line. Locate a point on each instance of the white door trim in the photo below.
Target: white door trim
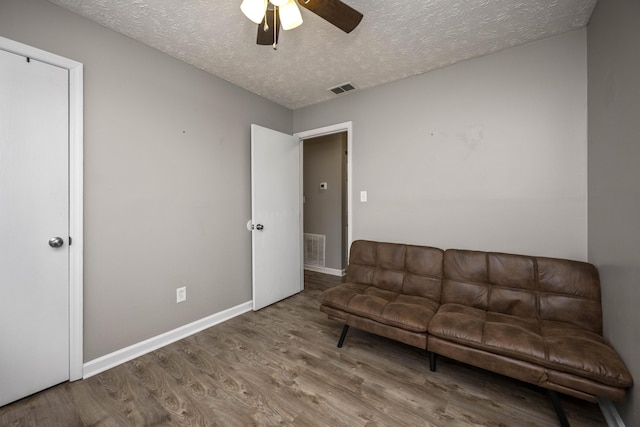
{"x": 75, "y": 194}
{"x": 328, "y": 130}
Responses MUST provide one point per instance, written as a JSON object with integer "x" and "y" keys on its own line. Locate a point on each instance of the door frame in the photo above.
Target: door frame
{"x": 328, "y": 130}
{"x": 76, "y": 169}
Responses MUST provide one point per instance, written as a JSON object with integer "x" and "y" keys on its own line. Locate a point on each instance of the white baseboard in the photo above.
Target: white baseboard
{"x": 610, "y": 413}
{"x": 325, "y": 270}
{"x": 123, "y": 355}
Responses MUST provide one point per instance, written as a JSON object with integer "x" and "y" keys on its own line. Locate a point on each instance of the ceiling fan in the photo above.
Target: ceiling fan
{"x": 270, "y": 15}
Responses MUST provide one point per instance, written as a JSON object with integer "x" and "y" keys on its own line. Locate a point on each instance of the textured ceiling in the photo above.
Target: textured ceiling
{"x": 396, "y": 39}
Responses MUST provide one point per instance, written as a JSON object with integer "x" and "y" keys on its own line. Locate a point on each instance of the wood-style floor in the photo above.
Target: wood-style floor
{"x": 280, "y": 366}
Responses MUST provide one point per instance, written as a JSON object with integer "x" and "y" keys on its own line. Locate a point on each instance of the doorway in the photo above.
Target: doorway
{"x": 74, "y": 155}
{"x": 326, "y": 176}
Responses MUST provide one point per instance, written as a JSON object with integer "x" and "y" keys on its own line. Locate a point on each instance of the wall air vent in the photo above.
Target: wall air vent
{"x": 344, "y": 87}
{"x": 314, "y": 246}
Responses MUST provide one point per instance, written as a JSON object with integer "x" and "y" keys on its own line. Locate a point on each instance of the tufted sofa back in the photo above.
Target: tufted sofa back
{"x": 404, "y": 269}
{"x": 544, "y": 288}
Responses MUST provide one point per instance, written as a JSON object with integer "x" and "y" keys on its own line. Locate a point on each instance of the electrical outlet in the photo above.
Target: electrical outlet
{"x": 181, "y": 294}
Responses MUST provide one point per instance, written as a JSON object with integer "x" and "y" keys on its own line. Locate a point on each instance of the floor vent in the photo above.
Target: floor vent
{"x": 314, "y": 249}
{"x": 345, "y": 87}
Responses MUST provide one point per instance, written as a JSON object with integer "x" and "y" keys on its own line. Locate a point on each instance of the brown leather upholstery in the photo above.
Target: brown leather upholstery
{"x": 397, "y": 286}
{"x": 523, "y": 286}
{"x": 533, "y": 318}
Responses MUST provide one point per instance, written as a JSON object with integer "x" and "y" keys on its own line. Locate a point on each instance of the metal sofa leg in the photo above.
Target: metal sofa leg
{"x": 432, "y": 361}
{"x": 343, "y": 335}
{"x": 557, "y": 405}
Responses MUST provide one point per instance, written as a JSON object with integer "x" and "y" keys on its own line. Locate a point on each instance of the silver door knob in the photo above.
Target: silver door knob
{"x": 56, "y": 242}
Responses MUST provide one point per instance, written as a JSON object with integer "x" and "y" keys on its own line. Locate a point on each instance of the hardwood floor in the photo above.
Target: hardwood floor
{"x": 281, "y": 366}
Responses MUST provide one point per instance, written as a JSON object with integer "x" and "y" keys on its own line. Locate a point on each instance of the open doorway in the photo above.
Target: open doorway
{"x": 325, "y": 203}
{"x": 326, "y": 207}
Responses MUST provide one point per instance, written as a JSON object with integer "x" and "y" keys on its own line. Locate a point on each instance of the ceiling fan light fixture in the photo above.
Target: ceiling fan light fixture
{"x": 290, "y": 16}
{"x": 275, "y": 15}
{"x": 254, "y": 9}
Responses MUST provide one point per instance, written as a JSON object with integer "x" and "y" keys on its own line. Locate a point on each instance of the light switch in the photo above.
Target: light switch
{"x": 363, "y": 196}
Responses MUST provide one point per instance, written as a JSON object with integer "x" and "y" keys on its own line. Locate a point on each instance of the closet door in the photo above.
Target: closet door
{"x": 34, "y": 226}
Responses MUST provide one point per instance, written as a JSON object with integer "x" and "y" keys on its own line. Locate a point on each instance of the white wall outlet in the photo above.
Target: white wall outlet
{"x": 181, "y": 294}
{"x": 363, "y": 196}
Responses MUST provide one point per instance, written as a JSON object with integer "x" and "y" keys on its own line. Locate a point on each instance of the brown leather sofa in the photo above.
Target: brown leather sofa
{"x": 535, "y": 319}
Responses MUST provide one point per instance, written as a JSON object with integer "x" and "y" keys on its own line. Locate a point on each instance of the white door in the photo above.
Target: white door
{"x": 34, "y": 274}
{"x": 275, "y": 210}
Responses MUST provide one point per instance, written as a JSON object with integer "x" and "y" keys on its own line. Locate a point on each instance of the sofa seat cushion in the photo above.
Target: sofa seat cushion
{"x": 556, "y": 345}
{"x": 409, "y": 312}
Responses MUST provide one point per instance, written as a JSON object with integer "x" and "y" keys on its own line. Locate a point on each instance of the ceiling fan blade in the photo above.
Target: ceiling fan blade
{"x": 265, "y": 37}
{"x": 334, "y": 11}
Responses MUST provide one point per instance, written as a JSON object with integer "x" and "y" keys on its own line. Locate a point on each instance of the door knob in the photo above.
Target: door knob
{"x": 56, "y": 242}
{"x": 259, "y": 227}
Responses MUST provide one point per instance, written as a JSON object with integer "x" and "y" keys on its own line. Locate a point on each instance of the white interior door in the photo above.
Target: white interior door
{"x": 275, "y": 210}
{"x": 34, "y": 203}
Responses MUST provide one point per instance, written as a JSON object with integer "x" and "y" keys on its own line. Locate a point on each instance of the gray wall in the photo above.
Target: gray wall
{"x": 323, "y": 162}
{"x": 167, "y": 190}
{"x": 490, "y": 153}
{"x": 614, "y": 177}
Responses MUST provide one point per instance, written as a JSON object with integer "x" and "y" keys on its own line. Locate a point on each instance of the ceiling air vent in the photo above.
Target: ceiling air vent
{"x": 344, "y": 87}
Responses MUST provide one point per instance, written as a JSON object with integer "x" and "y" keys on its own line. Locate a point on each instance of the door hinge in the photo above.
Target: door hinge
{"x": 70, "y": 241}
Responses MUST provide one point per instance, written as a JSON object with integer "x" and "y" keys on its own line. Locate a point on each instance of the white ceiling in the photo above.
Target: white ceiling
{"x": 396, "y": 39}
